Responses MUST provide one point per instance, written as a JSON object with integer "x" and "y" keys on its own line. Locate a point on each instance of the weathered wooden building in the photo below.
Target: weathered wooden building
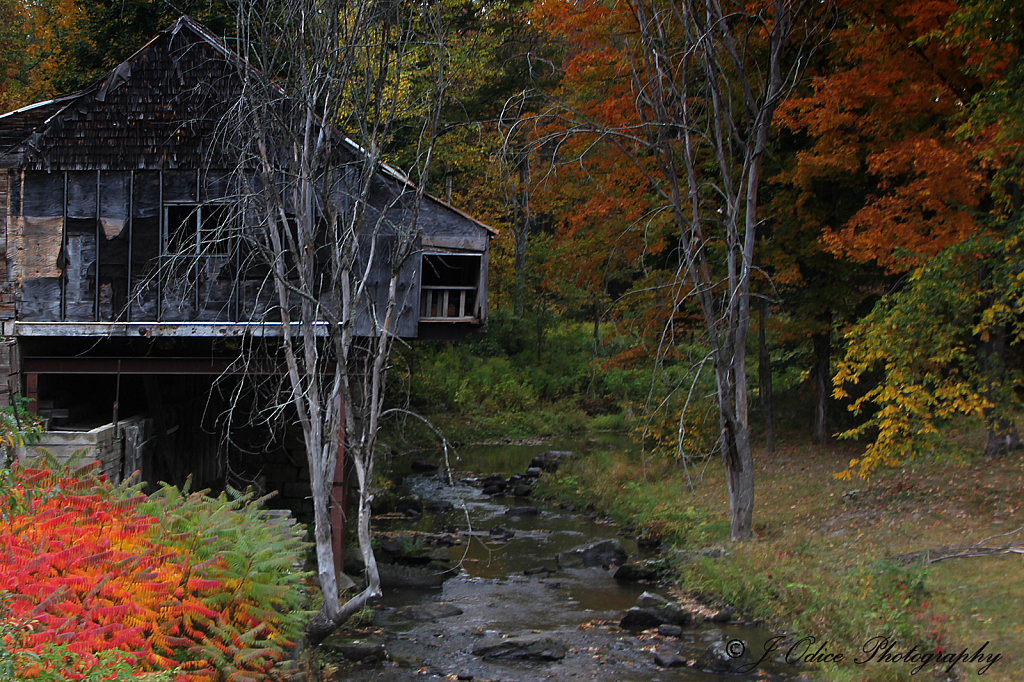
{"x": 120, "y": 294}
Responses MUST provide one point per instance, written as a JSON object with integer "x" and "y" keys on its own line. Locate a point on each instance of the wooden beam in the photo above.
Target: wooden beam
{"x": 151, "y": 329}
{"x": 34, "y": 366}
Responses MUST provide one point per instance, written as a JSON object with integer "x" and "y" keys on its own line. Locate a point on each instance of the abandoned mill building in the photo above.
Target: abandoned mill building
{"x": 122, "y": 320}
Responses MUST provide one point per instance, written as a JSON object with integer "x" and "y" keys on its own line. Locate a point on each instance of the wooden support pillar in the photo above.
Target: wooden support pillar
{"x": 338, "y": 502}
{"x": 32, "y": 392}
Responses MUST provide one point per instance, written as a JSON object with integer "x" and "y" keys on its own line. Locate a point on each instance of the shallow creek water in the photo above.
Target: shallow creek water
{"x": 502, "y": 591}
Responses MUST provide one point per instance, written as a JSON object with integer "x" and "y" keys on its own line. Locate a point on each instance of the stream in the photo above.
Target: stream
{"x": 506, "y": 583}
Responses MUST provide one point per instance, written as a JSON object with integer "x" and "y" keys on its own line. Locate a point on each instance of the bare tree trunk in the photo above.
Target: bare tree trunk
{"x": 822, "y": 381}
{"x": 706, "y": 98}
{"x": 521, "y": 228}
{"x": 764, "y": 372}
{"x": 1001, "y": 435}
{"x": 311, "y": 219}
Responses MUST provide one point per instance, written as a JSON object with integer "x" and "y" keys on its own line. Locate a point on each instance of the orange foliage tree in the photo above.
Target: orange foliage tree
{"x": 910, "y": 109}
{"x": 885, "y": 104}
{"x": 684, "y": 94}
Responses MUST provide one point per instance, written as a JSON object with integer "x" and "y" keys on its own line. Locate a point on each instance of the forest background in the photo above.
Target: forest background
{"x": 886, "y": 274}
{"x": 887, "y": 286}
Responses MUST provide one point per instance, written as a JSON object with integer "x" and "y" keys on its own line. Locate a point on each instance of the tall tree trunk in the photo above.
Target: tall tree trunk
{"x": 739, "y": 473}
{"x": 1001, "y": 435}
{"x": 822, "y": 381}
{"x": 764, "y": 376}
{"x": 521, "y": 229}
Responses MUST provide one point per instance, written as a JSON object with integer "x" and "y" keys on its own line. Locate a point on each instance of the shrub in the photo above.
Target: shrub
{"x": 99, "y": 576}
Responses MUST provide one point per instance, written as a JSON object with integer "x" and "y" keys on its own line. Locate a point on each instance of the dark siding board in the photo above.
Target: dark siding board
{"x": 43, "y": 195}
{"x": 143, "y": 301}
{"x": 14, "y": 202}
{"x": 437, "y": 219}
{"x": 5, "y": 181}
{"x": 114, "y": 189}
{"x": 146, "y": 195}
{"x": 180, "y": 187}
{"x": 258, "y": 299}
{"x": 145, "y": 247}
{"x": 215, "y": 301}
{"x": 79, "y": 270}
{"x": 481, "y": 300}
{"x": 144, "y": 265}
{"x": 113, "y": 278}
{"x": 178, "y": 284}
{"x": 407, "y": 295}
{"x": 41, "y": 300}
{"x": 81, "y": 194}
{"x": 214, "y": 294}
{"x": 215, "y": 185}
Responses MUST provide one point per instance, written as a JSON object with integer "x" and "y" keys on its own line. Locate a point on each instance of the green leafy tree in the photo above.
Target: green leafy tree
{"x": 923, "y": 341}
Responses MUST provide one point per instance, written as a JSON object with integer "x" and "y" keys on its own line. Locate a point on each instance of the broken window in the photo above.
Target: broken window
{"x": 198, "y": 230}
{"x": 449, "y": 288}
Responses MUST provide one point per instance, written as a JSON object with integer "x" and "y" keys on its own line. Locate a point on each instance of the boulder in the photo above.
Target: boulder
{"x": 393, "y": 547}
{"x": 388, "y": 502}
{"x": 522, "y": 490}
{"x": 361, "y": 652}
{"x": 428, "y": 612}
{"x": 438, "y": 506}
{"x": 652, "y": 611}
{"x": 420, "y": 466}
{"x": 649, "y": 599}
{"x": 636, "y": 620}
{"x": 396, "y": 576}
{"x": 666, "y": 630}
{"x": 723, "y": 616}
{"x": 673, "y": 614}
{"x": 501, "y": 532}
{"x": 725, "y": 657}
{"x": 602, "y": 553}
{"x": 533, "y": 647}
{"x": 550, "y": 460}
{"x": 666, "y": 660}
{"x": 633, "y": 573}
{"x": 411, "y": 502}
{"x": 522, "y": 511}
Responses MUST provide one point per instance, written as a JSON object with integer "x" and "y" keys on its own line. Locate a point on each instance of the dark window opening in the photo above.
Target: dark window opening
{"x": 198, "y": 230}
{"x": 449, "y": 288}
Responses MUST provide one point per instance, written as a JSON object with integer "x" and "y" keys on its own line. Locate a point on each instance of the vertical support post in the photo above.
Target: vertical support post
{"x": 338, "y": 501}
{"x": 64, "y": 250}
{"x": 196, "y": 298}
{"x": 32, "y": 392}
{"x": 131, "y": 209}
{"x": 96, "y": 249}
{"x": 161, "y": 257}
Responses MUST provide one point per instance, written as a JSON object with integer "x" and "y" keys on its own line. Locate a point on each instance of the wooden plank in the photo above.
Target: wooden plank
{"x": 474, "y": 243}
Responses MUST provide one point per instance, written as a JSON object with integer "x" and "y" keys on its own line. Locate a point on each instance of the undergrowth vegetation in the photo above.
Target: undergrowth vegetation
{"x": 843, "y": 561}
{"x": 99, "y": 582}
{"x": 514, "y": 381}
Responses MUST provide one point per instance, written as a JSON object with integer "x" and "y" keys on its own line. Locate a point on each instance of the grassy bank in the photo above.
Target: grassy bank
{"x": 840, "y": 560}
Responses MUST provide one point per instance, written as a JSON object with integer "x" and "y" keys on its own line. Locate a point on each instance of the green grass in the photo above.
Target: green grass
{"x": 824, "y": 559}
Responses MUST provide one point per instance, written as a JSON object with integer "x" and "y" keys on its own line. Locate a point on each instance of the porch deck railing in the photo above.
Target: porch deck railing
{"x": 447, "y": 303}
